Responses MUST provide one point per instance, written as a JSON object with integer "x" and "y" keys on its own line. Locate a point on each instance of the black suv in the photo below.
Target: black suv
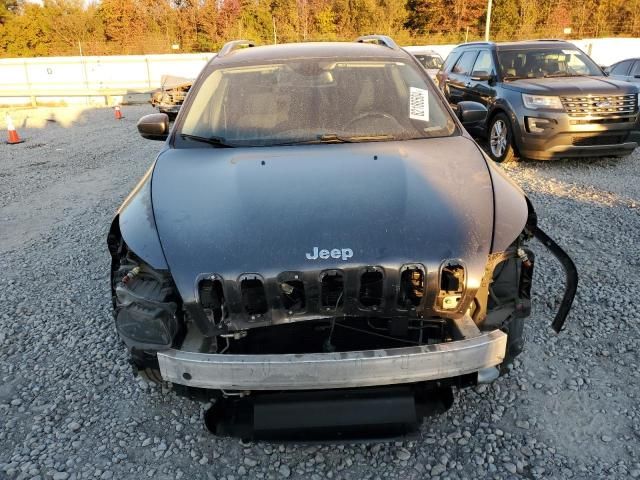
{"x": 546, "y": 99}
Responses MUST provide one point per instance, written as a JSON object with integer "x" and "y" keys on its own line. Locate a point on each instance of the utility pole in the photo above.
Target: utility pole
{"x": 84, "y": 71}
{"x": 304, "y": 16}
{"x": 275, "y": 34}
{"x": 488, "y": 23}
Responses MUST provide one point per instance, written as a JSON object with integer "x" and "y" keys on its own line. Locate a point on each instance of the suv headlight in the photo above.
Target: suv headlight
{"x": 541, "y": 101}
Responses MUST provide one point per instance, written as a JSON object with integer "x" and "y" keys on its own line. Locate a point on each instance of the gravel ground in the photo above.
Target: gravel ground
{"x": 70, "y": 408}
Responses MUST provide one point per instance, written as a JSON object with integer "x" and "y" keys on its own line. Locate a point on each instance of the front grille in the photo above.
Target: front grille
{"x": 590, "y": 141}
{"x": 177, "y": 98}
{"x": 254, "y": 298}
{"x": 332, "y": 290}
{"x": 258, "y": 298}
{"x": 600, "y": 106}
{"x": 371, "y": 288}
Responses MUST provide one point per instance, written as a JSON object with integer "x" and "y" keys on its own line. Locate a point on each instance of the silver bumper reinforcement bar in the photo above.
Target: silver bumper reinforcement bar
{"x": 315, "y": 371}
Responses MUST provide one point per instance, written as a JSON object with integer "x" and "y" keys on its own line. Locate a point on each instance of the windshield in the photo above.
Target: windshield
{"x": 431, "y": 61}
{"x": 313, "y": 101}
{"x": 546, "y": 63}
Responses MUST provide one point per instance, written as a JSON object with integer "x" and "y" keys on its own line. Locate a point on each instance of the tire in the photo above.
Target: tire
{"x": 145, "y": 366}
{"x": 150, "y": 375}
{"x": 500, "y": 145}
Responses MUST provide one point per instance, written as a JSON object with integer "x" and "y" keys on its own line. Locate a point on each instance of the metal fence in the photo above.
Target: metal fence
{"x": 109, "y": 79}
{"x": 50, "y": 80}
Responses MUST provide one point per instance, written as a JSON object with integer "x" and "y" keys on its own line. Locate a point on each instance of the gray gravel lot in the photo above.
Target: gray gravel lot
{"x": 70, "y": 408}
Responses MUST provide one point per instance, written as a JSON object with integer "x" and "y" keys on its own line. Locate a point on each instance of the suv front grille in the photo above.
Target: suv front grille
{"x": 255, "y": 298}
{"x": 600, "y": 106}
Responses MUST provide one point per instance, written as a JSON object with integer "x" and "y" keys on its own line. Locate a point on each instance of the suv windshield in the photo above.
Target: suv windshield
{"x": 315, "y": 101}
{"x": 546, "y": 63}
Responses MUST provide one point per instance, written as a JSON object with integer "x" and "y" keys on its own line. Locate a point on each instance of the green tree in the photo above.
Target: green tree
{"x": 26, "y": 33}
{"x": 59, "y": 27}
{"x": 505, "y": 20}
{"x": 7, "y": 8}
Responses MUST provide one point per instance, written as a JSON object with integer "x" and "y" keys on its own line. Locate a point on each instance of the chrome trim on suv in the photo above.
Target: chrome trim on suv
{"x": 600, "y": 106}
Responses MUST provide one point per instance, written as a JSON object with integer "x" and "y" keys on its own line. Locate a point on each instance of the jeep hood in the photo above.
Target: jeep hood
{"x": 262, "y": 210}
{"x": 570, "y": 86}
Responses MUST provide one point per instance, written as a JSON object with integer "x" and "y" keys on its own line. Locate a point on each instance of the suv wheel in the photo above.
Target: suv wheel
{"x": 146, "y": 366}
{"x": 501, "y": 148}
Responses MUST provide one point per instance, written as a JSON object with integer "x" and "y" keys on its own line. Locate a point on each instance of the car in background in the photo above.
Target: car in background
{"x": 546, "y": 100}
{"x": 321, "y": 246}
{"x": 626, "y": 70}
{"x": 429, "y": 59}
{"x": 170, "y": 96}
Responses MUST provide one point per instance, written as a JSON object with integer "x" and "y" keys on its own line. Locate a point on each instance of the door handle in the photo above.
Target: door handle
{"x": 468, "y": 84}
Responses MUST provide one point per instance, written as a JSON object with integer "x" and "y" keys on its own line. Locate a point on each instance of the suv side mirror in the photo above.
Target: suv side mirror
{"x": 481, "y": 76}
{"x": 154, "y": 126}
{"x": 471, "y": 112}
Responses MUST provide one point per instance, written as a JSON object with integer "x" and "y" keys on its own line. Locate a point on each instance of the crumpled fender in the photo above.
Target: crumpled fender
{"x": 510, "y": 208}
{"x": 513, "y": 213}
{"x": 136, "y": 224}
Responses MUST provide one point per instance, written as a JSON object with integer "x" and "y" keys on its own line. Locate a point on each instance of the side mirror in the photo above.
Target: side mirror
{"x": 471, "y": 112}
{"x": 481, "y": 76}
{"x": 636, "y": 76}
{"x": 154, "y": 126}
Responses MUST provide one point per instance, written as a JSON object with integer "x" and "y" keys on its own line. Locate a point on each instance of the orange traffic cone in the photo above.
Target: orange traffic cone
{"x": 13, "y": 136}
{"x": 118, "y": 113}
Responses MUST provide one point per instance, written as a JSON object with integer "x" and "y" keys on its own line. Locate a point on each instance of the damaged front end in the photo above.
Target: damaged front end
{"x": 347, "y": 345}
{"x": 381, "y": 373}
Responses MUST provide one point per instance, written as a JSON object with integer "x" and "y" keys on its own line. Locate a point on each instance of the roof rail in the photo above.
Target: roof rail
{"x": 550, "y": 40}
{"x": 235, "y": 45}
{"x": 383, "y": 40}
{"x": 476, "y": 43}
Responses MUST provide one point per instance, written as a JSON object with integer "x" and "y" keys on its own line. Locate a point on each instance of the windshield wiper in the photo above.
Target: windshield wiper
{"x": 215, "y": 141}
{"x": 329, "y": 137}
{"x": 562, "y": 75}
{"x": 335, "y": 138}
{"x": 332, "y": 138}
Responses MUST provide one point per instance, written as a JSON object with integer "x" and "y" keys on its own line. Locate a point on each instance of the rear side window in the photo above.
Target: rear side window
{"x": 464, "y": 64}
{"x": 484, "y": 64}
{"x": 622, "y": 68}
{"x": 451, "y": 59}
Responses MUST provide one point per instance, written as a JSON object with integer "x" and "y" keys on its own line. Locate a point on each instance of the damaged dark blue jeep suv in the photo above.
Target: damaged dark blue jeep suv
{"x": 321, "y": 247}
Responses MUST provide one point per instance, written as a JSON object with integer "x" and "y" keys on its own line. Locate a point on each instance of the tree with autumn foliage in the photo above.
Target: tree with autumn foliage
{"x": 70, "y": 27}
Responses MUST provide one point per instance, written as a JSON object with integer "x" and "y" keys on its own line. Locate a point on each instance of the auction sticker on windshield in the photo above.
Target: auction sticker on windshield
{"x": 418, "y": 104}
